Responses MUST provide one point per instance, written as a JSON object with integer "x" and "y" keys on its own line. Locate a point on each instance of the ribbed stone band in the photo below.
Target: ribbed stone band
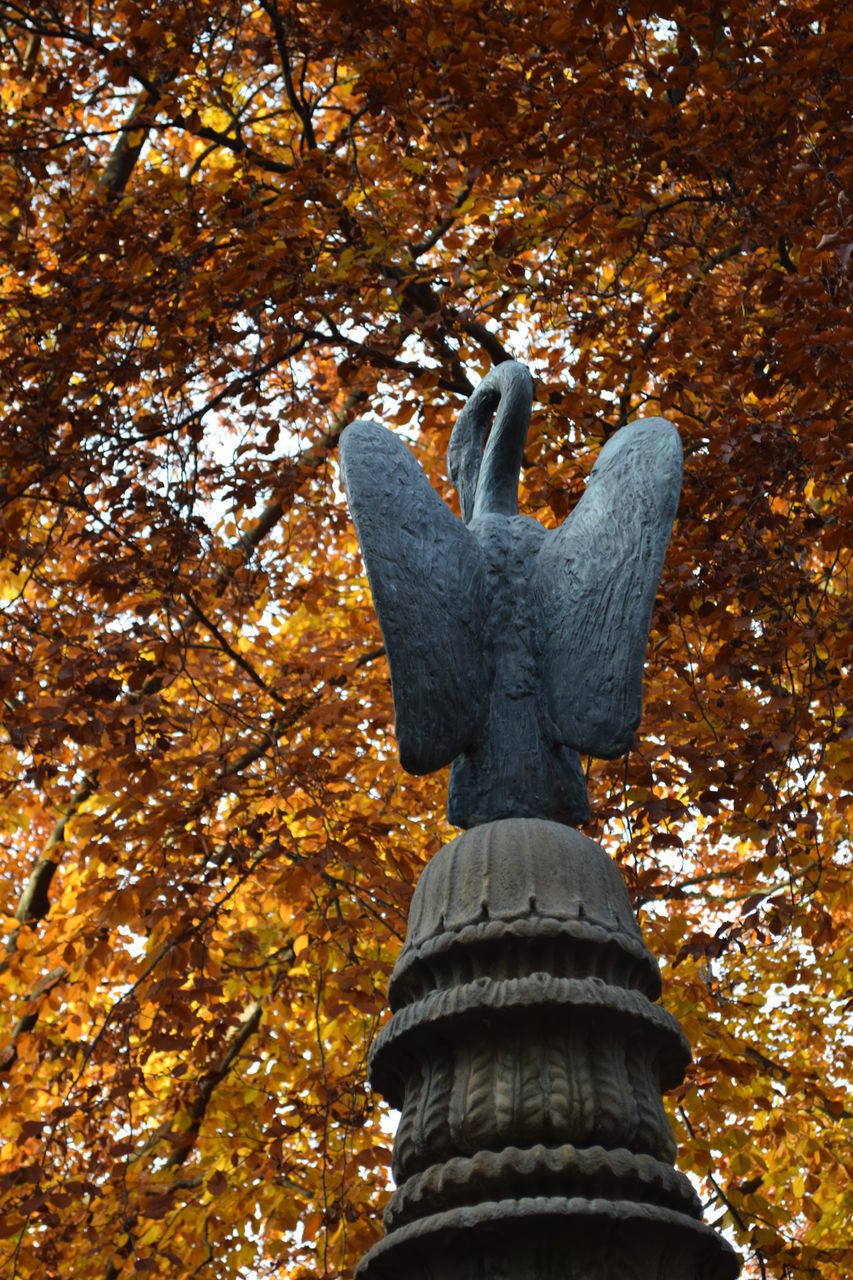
{"x": 588, "y": 1173}
{"x": 563, "y": 999}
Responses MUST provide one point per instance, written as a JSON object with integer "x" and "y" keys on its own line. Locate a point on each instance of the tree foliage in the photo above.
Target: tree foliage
{"x": 227, "y": 229}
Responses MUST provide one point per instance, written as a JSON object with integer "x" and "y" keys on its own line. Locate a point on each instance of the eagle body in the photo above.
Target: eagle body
{"x": 512, "y": 648}
{"x": 514, "y": 766}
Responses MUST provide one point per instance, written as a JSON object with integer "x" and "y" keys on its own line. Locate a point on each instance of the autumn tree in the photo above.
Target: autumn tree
{"x": 228, "y": 229}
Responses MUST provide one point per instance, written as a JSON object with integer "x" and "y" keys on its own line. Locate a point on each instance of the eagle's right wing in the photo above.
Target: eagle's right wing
{"x": 427, "y": 576}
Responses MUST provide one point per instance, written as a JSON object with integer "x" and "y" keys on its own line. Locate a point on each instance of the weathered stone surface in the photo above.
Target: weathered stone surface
{"x": 528, "y": 1060}
{"x": 598, "y": 1079}
{"x": 512, "y": 648}
{"x": 552, "y": 1238}
{"x": 557, "y": 891}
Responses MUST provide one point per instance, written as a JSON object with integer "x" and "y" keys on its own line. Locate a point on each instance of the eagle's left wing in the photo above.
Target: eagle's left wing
{"x": 594, "y": 586}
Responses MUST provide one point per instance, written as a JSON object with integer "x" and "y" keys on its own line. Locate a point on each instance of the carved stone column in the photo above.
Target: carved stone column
{"x": 528, "y": 1059}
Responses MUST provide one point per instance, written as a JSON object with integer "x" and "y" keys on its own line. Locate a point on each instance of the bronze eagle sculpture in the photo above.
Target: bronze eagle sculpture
{"x": 512, "y": 648}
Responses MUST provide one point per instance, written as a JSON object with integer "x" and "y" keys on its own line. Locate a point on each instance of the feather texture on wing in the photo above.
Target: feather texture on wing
{"x": 427, "y": 576}
{"x": 595, "y": 582}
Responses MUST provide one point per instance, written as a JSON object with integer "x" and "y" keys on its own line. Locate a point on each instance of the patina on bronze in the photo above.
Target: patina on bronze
{"x": 512, "y": 648}
{"x": 525, "y": 1050}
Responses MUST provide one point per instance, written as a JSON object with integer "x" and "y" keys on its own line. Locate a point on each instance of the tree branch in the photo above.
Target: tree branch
{"x": 270, "y": 8}
{"x": 33, "y": 903}
{"x": 129, "y": 146}
{"x": 235, "y": 1041}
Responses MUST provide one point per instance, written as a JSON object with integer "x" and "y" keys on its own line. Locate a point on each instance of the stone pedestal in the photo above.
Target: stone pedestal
{"x": 528, "y": 1060}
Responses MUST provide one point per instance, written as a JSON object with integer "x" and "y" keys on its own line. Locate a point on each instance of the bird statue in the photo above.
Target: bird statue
{"x": 512, "y": 648}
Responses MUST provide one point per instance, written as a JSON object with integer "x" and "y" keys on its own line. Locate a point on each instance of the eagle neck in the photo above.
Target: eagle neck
{"x": 497, "y": 483}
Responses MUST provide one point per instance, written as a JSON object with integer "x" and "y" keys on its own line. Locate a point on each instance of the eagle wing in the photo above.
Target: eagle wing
{"x": 427, "y": 576}
{"x": 594, "y": 588}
